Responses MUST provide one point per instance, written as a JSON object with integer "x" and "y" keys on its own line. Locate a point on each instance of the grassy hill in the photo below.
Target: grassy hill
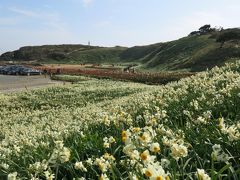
{"x": 194, "y": 53}
{"x": 64, "y": 54}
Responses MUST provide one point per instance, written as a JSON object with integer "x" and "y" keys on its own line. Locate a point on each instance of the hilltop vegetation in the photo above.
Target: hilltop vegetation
{"x": 64, "y": 54}
{"x": 200, "y": 50}
{"x": 195, "y": 52}
{"x": 116, "y": 130}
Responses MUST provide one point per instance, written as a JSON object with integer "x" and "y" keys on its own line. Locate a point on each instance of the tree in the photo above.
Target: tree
{"x": 227, "y": 36}
{"x": 195, "y": 33}
{"x": 206, "y": 28}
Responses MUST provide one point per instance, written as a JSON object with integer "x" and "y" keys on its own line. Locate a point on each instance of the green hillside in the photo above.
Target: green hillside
{"x": 97, "y": 55}
{"x": 196, "y": 52}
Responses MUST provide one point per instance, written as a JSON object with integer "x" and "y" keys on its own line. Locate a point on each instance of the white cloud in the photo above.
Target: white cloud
{"x": 33, "y": 14}
{"x": 24, "y": 12}
{"x": 47, "y": 20}
{"x": 87, "y": 3}
{"x": 15, "y": 31}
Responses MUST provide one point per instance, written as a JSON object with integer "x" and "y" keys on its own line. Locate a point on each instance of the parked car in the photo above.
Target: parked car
{"x": 30, "y": 71}
{"x": 18, "y": 70}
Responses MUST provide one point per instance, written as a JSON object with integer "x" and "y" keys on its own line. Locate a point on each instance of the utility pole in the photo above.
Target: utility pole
{"x": 89, "y": 44}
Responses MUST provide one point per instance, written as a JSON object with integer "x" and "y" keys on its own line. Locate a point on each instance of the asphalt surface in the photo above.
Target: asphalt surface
{"x": 19, "y": 83}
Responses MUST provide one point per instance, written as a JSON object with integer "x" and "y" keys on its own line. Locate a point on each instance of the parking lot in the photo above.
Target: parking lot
{"x": 18, "y": 70}
{"x": 18, "y": 83}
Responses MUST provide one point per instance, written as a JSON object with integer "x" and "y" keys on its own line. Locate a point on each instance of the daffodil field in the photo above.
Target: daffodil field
{"x": 102, "y": 129}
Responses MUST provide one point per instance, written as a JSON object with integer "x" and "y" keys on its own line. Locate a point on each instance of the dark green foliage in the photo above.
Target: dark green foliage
{"x": 57, "y": 55}
{"x": 205, "y": 29}
{"x": 229, "y": 35}
{"x": 138, "y": 52}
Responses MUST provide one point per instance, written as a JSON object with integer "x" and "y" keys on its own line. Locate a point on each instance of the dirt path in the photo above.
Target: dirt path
{"x": 19, "y": 83}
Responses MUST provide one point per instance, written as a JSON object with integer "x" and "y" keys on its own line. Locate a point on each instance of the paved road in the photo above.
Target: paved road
{"x": 18, "y": 83}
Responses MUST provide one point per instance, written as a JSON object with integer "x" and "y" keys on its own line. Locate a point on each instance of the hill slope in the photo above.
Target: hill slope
{"x": 66, "y": 53}
{"x": 195, "y": 53}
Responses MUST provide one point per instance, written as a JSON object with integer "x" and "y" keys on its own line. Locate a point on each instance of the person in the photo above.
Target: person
{"x": 45, "y": 73}
{"x": 58, "y": 71}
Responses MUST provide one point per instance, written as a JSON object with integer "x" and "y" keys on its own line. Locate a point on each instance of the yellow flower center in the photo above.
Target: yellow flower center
{"x": 154, "y": 120}
{"x": 101, "y": 166}
{"x": 136, "y": 129}
{"x": 143, "y": 138}
{"x": 122, "y": 114}
{"x": 124, "y": 136}
{"x": 156, "y": 149}
{"x": 101, "y": 177}
{"x": 144, "y": 156}
{"x": 148, "y": 173}
{"x": 159, "y": 178}
{"x": 167, "y": 178}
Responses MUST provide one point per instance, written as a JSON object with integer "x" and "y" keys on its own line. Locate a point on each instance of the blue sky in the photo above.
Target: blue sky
{"x": 108, "y": 22}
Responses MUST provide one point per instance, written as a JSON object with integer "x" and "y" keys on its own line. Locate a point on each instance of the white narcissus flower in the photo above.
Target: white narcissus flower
{"x": 106, "y": 120}
{"x": 12, "y": 176}
{"x": 155, "y": 171}
{"x": 134, "y": 155}
{"x": 103, "y": 164}
{"x": 59, "y": 144}
{"x": 81, "y": 178}
{"x": 218, "y": 154}
{"x": 128, "y": 149}
{"x": 49, "y": 176}
{"x": 200, "y": 120}
{"x": 103, "y": 177}
{"x": 216, "y": 147}
{"x": 166, "y": 141}
{"x": 221, "y": 123}
{"x": 233, "y": 133}
{"x": 178, "y": 151}
{"x": 89, "y": 161}
{"x": 108, "y": 142}
{"x": 145, "y": 155}
{"x": 165, "y": 163}
{"x": 65, "y": 155}
{"x": 106, "y": 145}
{"x": 80, "y": 166}
{"x": 111, "y": 140}
{"x": 145, "y": 138}
{"x": 82, "y": 134}
{"x": 60, "y": 153}
{"x": 202, "y": 175}
{"x": 155, "y": 147}
{"x": 4, "y": 165}
{"x": 126, "y": 137}
{"x": 109, "y": 157}
{"x": 133, "y": 176}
